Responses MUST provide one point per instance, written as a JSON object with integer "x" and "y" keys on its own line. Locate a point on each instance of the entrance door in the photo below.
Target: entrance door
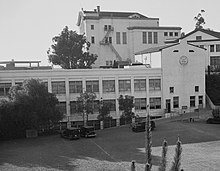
{"x": 168, "y": 107}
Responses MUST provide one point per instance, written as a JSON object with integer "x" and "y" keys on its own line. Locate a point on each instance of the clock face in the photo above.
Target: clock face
{"x": 183, "y": 60}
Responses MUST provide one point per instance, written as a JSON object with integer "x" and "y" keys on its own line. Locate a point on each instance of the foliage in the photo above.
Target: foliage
{"x": 104, "y": 111}
{"x": 148, "y": 142}
{"x": 199, "y": 20}
{"x": 163, "y": 164}
{"x": 216, "y": 113}
{"x": 70, "y": 51}
{"x": 126, "y": 104}
{"x": 177, "y": 158}
{"x": 30, "y": 106}
{"x": 85, "y": 103}
{"x": 213, "y": 88}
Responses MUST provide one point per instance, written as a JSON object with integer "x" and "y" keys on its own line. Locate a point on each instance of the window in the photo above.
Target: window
{"x": 165, "y": 33}
{"x": 92, "y": 39}
{"x": 171, "y": 89}
{"x": 176, "y": 34}
{"x": 45, "y": 84}
{"x": 176, "y": 102}
{"x": 192, "y": 101}
{"x": 58, "y": 87}
{"x": 110, "y": 39}
{"x": 140, "y": 104}
{"x": 212, "y": 48}
{"x": 215, "y": 60}
{"x": 108, "y": 86}
{"x": 118, "y": 38}
{"x": 139, "y": 85}
{"x": 196, "y": 88}
{"x": 191, "y": 50}
{"x": 155, "y": 38}
{"x": 124, "y": 85}
{"x": 108, "y": 63}
{"x": 154, "y": 84}
{"x": 171, "y": 34}
{"x": 124, "y": 38}
{"x": 62, "y": 107}
{"x": 144, "y": 37}
{"x": 92, "y": 27}
{"x": 75, "y": 86}
{"x": 198, "y": 37}
{"x": 112, "y": 104}
{"x": 75, "y": 107}
{"x": 218, "y": 48}
{"x": 150, "y": 38}
{"x": 106, "y": 27}
{"x": 155, "y": 103}
{"x": 92, "y": 86}
{"x": 200, "y": 100}
{"x": 109, "y": 27}
{"x": 4, "y": 88}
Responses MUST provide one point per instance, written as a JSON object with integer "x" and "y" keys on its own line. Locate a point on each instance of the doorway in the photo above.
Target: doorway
{"x": 168, "y": 106}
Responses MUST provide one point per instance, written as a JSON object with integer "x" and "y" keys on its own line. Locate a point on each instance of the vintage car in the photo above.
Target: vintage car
{"x": 87, "y": 131}
{"x": 140, "y": 126}
{"x": 70, "y": 133}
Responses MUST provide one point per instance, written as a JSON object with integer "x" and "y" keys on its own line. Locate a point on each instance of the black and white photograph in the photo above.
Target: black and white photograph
{"x": 97, "y": 85}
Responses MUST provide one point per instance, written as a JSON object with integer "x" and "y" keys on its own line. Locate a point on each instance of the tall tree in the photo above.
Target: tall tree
{"x": 163, "y": 164}
{"x": 177, "y": 158}
{"x": 70, "y": 51}
{"x": 126, "y": 104}
{"x": 148, "y": 141}
{"x": 85, "y": 104}
{"x": 104, "y": 111}
{"x": 199, "y": 20}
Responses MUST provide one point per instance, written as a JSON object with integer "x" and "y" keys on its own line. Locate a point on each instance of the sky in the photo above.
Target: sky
{"x": 28, "y": 26}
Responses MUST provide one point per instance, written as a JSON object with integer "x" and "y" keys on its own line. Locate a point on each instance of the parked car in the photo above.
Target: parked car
{"x": 213, "y": 121}
{"x": 140, "y": 126}
{"x": 70, "y": 133}
{"x": 87, "y": 131}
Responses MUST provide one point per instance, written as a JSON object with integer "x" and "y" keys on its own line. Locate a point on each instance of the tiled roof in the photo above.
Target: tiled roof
{"x": 105, "y": 14}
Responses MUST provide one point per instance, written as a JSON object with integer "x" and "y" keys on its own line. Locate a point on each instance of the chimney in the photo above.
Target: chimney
{"x": 98, "y": 9}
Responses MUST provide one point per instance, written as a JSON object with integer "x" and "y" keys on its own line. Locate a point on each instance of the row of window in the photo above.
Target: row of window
{"x": 121, "y": 38}
{"x": 149, "y": 37}
{"x": 107, "y": 85}
{"x": 171, "y": 34}
{"x": 172, "y": 89}
{"x": 58, "y": 87}
{"x": 139, "y": 104}
{"x": 215, "y": 60}
{"x": 215, "y": 48}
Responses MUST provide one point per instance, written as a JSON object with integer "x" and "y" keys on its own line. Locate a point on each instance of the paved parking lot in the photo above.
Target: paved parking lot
{"x": 112, "y": 149}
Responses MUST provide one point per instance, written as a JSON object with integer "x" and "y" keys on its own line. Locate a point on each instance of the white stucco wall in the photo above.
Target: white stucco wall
{"x": 183, "y": 78}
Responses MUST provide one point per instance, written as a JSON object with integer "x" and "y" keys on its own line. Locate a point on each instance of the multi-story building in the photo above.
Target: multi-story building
{"x": 177, "y": 86}
{"x": 117, "y": 36}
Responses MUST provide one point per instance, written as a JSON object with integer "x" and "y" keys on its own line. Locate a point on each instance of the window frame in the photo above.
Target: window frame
{"x": 108, "y": 86}
{"x": 58, "y": 87}
{"x": 75, "y": 87}
{"x": 155, "y": 102}
{"x": 92, "y": 86}
{"x": 124, "y": 85}
{"x": 139, "y": 85}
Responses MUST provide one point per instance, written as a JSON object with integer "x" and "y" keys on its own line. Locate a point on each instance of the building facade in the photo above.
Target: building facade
{"x": 117, "y": 36}
{"x": 178, "y": 86}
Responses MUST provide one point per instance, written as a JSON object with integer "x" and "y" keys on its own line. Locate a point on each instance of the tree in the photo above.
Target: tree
{"x": 148, "y": 142}
{"x": 104, "y": 111}
{"x": 199, "y": 20}
{"x": 85, "y": 103}
{"x": 30, "y": 106}
{"x": 163, "y": 164}
{"x": 126, "y": 104}
{"x": 70, "y": 51}
{"x": 177, "y": 158}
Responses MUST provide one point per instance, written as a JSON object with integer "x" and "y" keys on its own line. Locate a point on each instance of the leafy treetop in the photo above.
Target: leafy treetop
{"x": 70, "y": 51}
